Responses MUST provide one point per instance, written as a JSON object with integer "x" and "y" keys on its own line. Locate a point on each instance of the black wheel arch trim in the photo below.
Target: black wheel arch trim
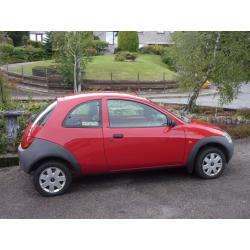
{"x": 219, "y": 141}
{"x": 41, "y": 150}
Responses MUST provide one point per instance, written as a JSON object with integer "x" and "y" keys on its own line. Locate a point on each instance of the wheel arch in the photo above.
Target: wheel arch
{"x": 214, "y": 141}
{"x": 39, "y": 162}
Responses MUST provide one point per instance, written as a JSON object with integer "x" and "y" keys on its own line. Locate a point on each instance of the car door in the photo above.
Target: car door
{"x": 136, "y": 135}
{"x": 82, "y": 135}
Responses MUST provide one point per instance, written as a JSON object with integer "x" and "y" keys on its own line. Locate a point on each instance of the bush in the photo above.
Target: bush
{"x": 125, "y": 55}
{"x": 6, "y": 51}
{"x": 28, "y": 54}
{"x": 244, "y": 113}
{"x": 153, "y": 49}
{"x": 91, "y": 52}
{"x": 167, "y": 59}
{"x": 128, "y": 41}
{"x": 116, "y": 50}
{"x": 100, "y": 46}
{"x": 34, "y": 44}
{"x": 3, "y": 139}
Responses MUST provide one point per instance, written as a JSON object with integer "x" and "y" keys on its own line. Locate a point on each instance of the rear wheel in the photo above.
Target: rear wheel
{"x": 52, "y": 178}
{"x": 210, "y": 163}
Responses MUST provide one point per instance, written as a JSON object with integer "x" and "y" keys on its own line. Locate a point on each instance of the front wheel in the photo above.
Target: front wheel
{"x": 52, "y": 178}
{"x": 210, "y": 163}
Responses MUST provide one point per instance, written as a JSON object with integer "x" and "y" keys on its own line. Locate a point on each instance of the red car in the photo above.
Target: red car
{"x": 94, "y": 133}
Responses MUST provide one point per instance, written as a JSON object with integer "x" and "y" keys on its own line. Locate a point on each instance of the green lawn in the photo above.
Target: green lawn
{"x": 27, "y": 68}
{"x": 150, "y": 67}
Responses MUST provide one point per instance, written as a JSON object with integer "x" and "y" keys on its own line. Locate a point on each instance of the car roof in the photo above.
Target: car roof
{"x": 97, "y": 94}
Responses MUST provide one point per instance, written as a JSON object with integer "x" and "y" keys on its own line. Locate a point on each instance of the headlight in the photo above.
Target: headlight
{"x": 228, "y": 137}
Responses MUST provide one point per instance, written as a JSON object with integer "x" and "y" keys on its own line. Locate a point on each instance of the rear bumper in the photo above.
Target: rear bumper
{"x": 25, "y": 161}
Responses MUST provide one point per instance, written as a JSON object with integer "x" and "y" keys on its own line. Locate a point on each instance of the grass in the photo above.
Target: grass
{"x": 27, "y": 68}
{"x": 149, "y": 67}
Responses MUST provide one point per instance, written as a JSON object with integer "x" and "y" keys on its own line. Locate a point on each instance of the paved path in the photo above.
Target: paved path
{"x": 154, "y": 194}
{"x": 242, "y": 101}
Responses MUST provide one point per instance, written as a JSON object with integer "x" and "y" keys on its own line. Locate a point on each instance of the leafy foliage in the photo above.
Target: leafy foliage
{"x": 100, "y": 46}
{"x": 18, "y": 37}
{"x": 71, "y": 50}
{"x": 47, "y": 45}
{"x": 6, "y": 51}
{"x": 128, "y": 41}
{"x": 220, "y": 57}
{"x": 125, "y": 55}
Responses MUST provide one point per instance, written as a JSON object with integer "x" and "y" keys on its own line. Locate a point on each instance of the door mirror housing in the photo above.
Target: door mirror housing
{"x": 171, "y": 123}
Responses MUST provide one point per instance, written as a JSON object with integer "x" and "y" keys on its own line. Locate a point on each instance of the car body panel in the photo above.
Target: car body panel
{"x": 96, "y": 151}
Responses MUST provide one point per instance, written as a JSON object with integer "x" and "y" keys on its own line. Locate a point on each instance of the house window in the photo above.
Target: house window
{"x": 111, "y": 37}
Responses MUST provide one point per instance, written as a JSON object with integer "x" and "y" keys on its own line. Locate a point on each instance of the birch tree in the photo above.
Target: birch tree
{"x": 220, "y": 57}
{"x": 71, "y": 53}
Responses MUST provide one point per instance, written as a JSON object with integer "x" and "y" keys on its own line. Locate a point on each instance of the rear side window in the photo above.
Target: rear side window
{"x": 85, "y": 115}
{"x": 43, "y": 116}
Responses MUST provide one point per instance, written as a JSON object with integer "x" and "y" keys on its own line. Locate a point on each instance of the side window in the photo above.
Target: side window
{"x": 44, "y": 115}
{"x": 130, "y": 114}
{"x": 85, "y": 115}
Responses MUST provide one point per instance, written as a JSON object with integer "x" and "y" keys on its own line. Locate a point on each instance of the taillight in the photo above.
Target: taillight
{"x": 26, "y": 141}
{"x": 29, "y": 135}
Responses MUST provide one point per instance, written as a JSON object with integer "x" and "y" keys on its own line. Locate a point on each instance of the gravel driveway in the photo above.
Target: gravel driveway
{"x": 152, "y": 194}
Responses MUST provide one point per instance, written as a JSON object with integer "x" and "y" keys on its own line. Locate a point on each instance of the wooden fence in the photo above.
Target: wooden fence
{"x": 56, "y": 83}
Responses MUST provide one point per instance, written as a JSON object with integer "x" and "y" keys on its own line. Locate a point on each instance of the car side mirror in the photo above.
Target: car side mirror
{"x": 171, "y": 123}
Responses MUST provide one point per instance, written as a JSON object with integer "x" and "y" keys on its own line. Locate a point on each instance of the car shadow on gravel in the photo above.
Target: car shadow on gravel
{"x": 133, "y": 178}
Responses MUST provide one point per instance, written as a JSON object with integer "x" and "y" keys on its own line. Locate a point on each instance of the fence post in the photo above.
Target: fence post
{"x": 22, "y": 71}
{"x": 7, "y": 72}
{"x": 138, "y": 82}
{"x": 46, "y": 75}
{"x": 163, "y": 76}
{"x": 111, "y": 76}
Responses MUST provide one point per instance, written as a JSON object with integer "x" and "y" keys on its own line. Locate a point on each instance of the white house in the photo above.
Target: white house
{"x": 145, "y": 38}
{"x": 38, "y": 36}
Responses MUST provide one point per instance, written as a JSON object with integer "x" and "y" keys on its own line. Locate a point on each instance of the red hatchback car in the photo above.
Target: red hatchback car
{"x": 94, "y": 133}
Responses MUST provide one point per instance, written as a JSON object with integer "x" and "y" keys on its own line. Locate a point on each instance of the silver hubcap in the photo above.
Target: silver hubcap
{"x": 52, "y": 179}
{"x": 212, "y": 164}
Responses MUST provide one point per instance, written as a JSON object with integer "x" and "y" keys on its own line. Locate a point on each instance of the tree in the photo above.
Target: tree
{"x": 220, "y": 57}
{"x": 128, "y": 41}
{"x": 4, "y": 38}
{"x": 71, "y": 50}
{"x": 18, "y": 37}
{"x": 48, "y": 44}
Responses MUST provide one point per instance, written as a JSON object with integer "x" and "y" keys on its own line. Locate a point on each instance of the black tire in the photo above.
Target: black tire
{"x": 199, "y": 162}
{"x": 65, "y": 172}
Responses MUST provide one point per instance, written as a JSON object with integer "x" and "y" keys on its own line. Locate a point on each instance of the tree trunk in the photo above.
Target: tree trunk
{"x": 79, "y": 87}
{"x": 192, "y": 99}
{"x": 75, "y": 75}
{"x": 195, "y": 93}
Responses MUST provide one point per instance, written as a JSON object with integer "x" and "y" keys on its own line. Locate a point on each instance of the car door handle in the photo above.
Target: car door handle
{"x": 118, "y": 136}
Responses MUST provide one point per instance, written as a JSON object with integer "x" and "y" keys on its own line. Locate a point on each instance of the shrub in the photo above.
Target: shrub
{"x": 35, "y": 44}
{"x": 153, "y": 49}
{"x": 117, "y": 50}
{"x": 6, "y": 51}
{"x": 3, "y": 139}
{"x": 28, "y": 53}
{"x": 244, "y": 113}
{"x": 128, "y": 41}
{"x": 91, "y": 52}
{"x": 125, "y": 55}
{"x": 167, "y": 59}
{"x": 100, "y": 46}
